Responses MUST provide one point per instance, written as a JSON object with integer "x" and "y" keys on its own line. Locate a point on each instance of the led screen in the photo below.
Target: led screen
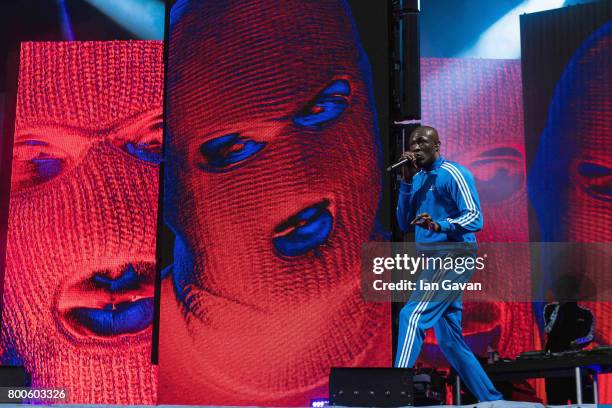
{"x": 476, "y": 105}
{"x": 273, "y": 182}
{"x": 80, "y": 264}
{"x": 569, "y": 172}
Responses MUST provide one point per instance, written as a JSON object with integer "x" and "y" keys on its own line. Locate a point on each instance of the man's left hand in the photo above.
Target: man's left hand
{"x": 424, "y": 220}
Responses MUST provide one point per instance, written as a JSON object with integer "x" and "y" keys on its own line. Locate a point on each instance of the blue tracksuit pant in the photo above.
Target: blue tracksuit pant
{"x": 441, "y": 309}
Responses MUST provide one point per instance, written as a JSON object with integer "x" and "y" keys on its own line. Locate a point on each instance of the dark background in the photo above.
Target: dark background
{"x": 449, "y": 27}
{"x": 39, "y": 20}
{"x": 373, "y": 19}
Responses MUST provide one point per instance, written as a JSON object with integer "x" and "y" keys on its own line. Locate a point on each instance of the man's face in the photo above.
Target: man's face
{"x": 424, "y": 146}
{"x": 78, "y": 291}
{"x": 273, "y": 180}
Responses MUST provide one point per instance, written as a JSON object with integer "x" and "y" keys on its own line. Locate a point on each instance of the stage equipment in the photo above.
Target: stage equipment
{"x": 406, "y": 56}
{"x": 319, "y": 402}
{"x": 398, "y": 164}
{"x": 429, "y": 387}
{"x": 371, "y": 387}
{"x": 406, "y": 101}
{"x": 538, "y": 364}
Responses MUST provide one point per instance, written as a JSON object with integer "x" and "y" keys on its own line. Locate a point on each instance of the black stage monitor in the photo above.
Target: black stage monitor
{"x": 368, "y": 387}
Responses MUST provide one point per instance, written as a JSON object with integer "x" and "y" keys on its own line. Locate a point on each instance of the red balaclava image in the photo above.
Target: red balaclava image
{"x": 272, "y": 185}
{"x": 78, "y": 295}
{"x": 570, "y": 186}
{"x": 589, "y": 212}
{"x": 476, "y": 106}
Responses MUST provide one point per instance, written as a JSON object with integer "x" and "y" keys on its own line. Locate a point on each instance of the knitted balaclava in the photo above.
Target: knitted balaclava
{"x": 273, "y": 184}
{"x": 569, "y": 180}
{"x": 572, "y": 164}
{"x": 82, "y": 220}
{"x": 476, "y": 105}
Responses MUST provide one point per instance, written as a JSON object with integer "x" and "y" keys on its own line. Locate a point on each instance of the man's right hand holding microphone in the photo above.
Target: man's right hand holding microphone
{"x": 409, "y": 169}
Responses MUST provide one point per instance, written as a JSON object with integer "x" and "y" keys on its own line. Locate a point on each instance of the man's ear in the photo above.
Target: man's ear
{"x": 438, "y": 146}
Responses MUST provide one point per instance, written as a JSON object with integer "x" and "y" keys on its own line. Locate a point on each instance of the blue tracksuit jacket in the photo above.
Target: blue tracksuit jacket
{"x": 446, "y": 192}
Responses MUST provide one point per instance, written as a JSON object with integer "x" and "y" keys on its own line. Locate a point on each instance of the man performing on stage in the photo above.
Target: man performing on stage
{"x": 440, "y": 198}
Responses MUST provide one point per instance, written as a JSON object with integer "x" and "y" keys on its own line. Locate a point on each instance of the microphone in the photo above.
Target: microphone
{"x": 398, "y": 164}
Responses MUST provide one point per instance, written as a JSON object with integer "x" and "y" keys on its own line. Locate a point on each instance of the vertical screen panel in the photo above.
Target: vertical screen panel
{"x": 567, "y": 57}
{"x": 273, "y": 183}
{"x": 476, "y": 105}
{"x": 80, "y": 264}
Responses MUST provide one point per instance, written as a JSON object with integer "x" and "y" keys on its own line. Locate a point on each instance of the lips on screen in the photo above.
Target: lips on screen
{"x": 275, "y": 184}
{"x": 78, "y": 292}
